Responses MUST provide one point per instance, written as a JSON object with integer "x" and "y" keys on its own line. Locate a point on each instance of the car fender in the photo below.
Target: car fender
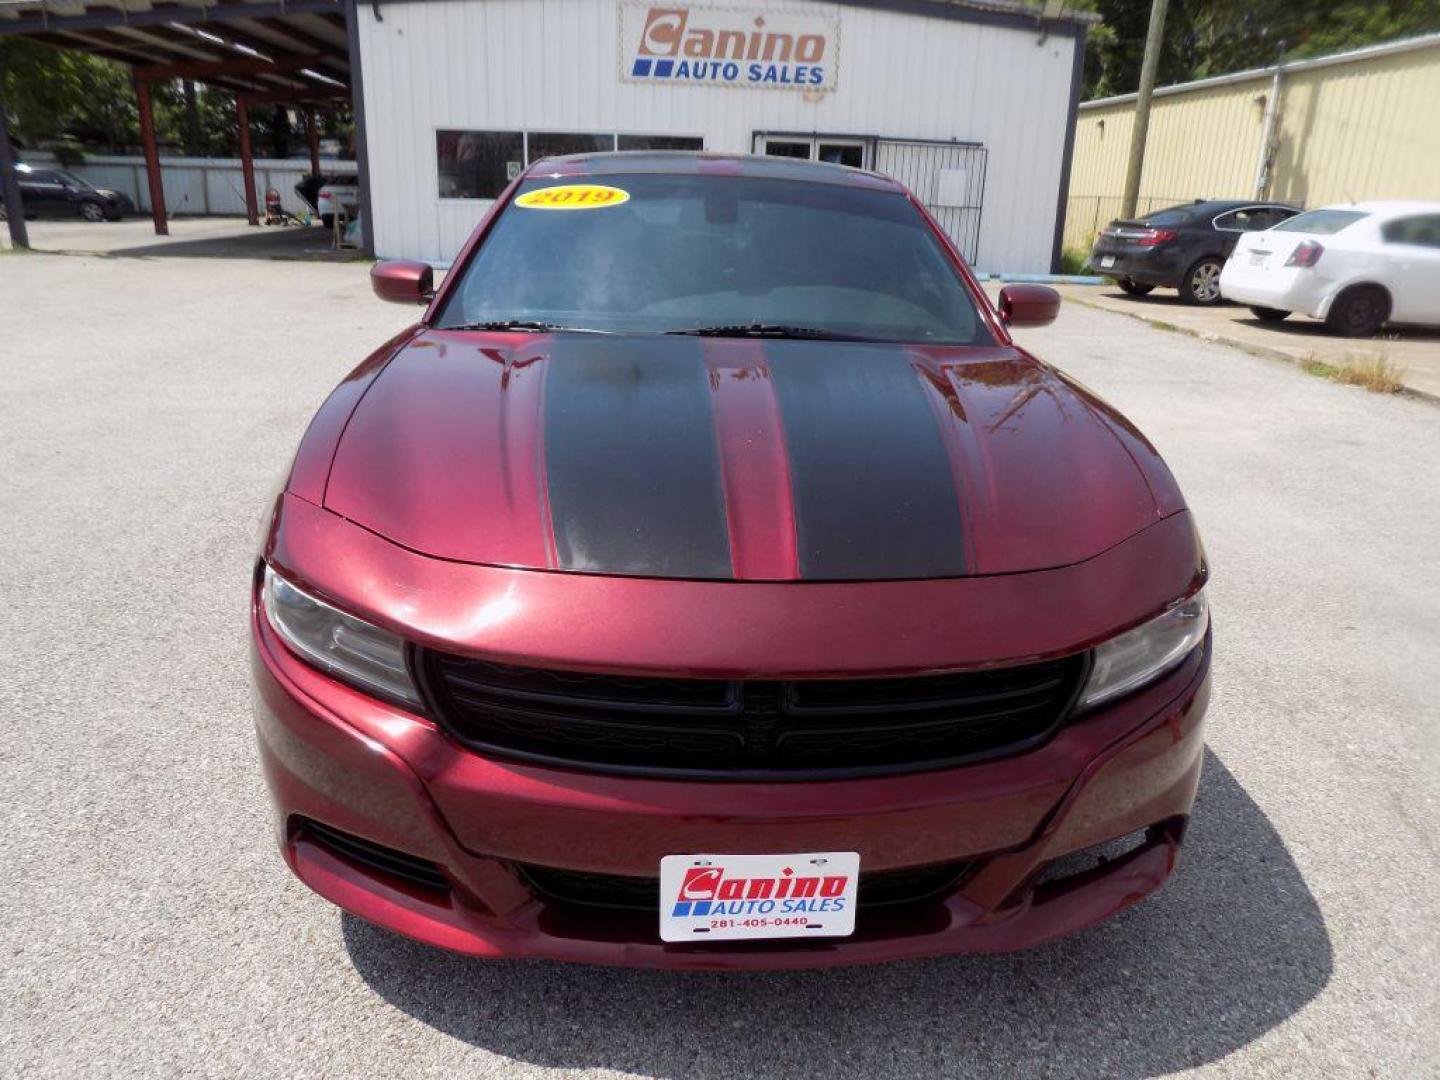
{"x": 1339, "y": 285}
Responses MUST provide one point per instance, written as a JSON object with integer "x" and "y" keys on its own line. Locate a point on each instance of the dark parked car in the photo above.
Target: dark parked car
{"x": 56, "y": 193}
{"x": 1181, "y": 247}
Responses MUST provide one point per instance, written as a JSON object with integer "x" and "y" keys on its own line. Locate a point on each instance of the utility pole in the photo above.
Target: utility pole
{"x": 1263, "y": 169}
{"x": 1153, "y": 39}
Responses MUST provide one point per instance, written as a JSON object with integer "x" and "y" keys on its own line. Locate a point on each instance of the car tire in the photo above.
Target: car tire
{"x": 1359, "y": 311}
{"x": 1131, "y": 287}
{"x": 1201, "y": 283}
{"x": 92, "y": 212}
{"x": 328, "y": 220}
{"x": 1269, "y": 314}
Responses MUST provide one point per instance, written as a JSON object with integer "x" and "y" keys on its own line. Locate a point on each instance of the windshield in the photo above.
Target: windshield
{"x": 666, "y": 253}
{"x": 1321, "y": 222}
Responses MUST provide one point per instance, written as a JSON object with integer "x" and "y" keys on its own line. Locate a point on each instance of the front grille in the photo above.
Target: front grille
{"x": 372, "y": 856}
{"x": 880, "y": 888}
{"x": 748, "y": 729}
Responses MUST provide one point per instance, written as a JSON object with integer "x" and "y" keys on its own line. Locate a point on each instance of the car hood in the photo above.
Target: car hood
{"x": 682, "y": 457}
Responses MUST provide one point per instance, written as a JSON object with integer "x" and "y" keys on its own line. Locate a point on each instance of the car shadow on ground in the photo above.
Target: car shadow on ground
{"x": 1295, "y": 326}
{"x": 294, "y": 242}
{"x": 1232, "y": 946}
{"x": 1159, "y": 298}
{"x": 1301, "y": 326}
{"x": 278, "y": 242}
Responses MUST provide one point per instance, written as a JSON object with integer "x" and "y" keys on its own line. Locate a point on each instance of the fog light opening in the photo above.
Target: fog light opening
{"x": 370, "y": 857}
{"x": 1096, "y": 861}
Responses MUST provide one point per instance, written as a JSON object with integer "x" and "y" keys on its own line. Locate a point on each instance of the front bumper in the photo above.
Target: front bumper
{"x": 336, "y": 756}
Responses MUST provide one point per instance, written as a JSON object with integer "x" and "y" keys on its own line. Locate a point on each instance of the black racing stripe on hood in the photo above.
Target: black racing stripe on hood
{"x": 632, "y": 465}
{"x": 873, "y": 487}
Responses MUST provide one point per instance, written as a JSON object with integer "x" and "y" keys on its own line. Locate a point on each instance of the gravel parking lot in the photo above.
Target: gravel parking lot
{"x": 150, "y": 929}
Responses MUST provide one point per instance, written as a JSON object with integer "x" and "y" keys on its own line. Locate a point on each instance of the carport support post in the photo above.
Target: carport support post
{"x": 152, "y": 159}
{"x": 247, "y": 160}
{"x": 9, "y": 185}
{"x": 312, "y": 134}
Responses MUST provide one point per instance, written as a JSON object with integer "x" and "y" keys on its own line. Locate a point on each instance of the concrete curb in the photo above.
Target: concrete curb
{"x": 1298, "y": 358}
{"x": 1044, "y": 279}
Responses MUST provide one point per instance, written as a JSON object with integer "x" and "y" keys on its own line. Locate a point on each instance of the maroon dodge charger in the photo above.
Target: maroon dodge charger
{"x": 707, "y": 580}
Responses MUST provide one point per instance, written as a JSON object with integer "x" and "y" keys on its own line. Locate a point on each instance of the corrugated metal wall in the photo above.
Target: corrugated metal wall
{"x": 1365, "y": 129}
{"x": 199, "y": 185}
{"x": 1362, "y": 131}
{"x": 554, "y": 65}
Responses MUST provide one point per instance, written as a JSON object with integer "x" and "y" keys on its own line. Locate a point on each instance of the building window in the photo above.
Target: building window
{"x": 545, "y": 144}
{"x": 478, "y": 164}
{"x": 660, "y": 142}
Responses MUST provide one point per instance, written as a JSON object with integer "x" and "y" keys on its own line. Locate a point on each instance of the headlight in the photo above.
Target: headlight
{"x": 1142, "y": 655}
{"x": 349, "y": 648}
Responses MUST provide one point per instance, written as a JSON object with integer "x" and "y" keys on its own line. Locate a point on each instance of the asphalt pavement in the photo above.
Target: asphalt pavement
{"x": 149, "y": 929}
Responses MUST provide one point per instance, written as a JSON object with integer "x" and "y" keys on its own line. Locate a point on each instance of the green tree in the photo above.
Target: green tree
{"x": 55, "y": 94}
{"x": 1116, "y": 47}
{"x": 1214, "y": 37}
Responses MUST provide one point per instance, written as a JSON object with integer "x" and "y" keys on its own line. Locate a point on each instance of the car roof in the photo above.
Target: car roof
{"x": 697, "y": 163}
{"x": 1388, "y": 206}
{"x": 1218, "y": 206}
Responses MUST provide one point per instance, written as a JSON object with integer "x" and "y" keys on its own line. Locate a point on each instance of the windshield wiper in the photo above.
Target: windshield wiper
{"x": 527, "y": 326}
{"x": 769, "y": 330}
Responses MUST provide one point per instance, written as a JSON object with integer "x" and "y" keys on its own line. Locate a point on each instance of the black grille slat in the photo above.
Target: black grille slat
{"x": 1016, "y": 696}
{"x": 581, "y": 889}
{"x": 817, "y": 748}
{"x": 744, "y": 729}
{"x": 537, "y": 732}
{"x": 553, "y": 685}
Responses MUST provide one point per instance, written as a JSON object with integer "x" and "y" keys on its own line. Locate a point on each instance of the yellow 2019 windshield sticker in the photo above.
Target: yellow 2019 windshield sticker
{"x": 573, "y": 197}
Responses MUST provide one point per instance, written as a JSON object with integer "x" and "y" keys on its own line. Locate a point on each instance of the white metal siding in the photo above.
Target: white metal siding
{"x": 199, "y": 185}
{"x": 554, "y": 65}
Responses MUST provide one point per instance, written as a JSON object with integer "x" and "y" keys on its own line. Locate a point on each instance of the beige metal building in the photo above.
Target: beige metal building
{"x": 1354, "y": 125}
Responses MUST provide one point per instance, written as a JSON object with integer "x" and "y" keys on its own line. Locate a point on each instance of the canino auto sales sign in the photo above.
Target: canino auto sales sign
{"x": 704, "y": 46}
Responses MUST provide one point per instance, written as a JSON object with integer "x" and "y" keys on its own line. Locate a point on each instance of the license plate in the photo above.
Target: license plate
{"x": 725, "y": 897}
{"x": 1107, "y": 260}
{"x": 1257, "y": 258}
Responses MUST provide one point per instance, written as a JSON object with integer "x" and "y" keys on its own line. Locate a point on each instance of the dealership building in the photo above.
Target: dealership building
{"x": 970, "y": 103}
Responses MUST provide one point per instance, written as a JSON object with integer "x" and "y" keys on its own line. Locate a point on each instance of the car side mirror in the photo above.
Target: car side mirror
{"x": 403, "y": 282}
{"x": 1023, "y": 304}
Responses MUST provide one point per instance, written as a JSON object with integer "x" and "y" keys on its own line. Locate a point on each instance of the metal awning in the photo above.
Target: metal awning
{"x": 298, "y": 47}
{"x": 290, "y": 52}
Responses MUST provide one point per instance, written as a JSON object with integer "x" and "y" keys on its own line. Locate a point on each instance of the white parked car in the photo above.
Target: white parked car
{"x": 1356, "y": 266}
{"x": 338, "y": 193}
